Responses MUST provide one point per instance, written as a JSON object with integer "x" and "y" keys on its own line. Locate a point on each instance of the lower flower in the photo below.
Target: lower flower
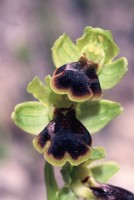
{"x": 64, "y": 139}
{"x": 109, "y": 192}
{"x": 85, "y": 185}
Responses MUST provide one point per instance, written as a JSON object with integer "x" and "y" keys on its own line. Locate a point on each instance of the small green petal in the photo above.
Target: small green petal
{"x": 100, "y": 42}
{"x": 39, "y": 90}
{"x": 64, "y": 51}
{"x": 98, "y": 153}
{"x": 112, "y": 73}
{"x": 31, "y": 117}
{"x": 51, "y": 184}
{"x": 94, "y": 115}
{"x": 103, "y": 172}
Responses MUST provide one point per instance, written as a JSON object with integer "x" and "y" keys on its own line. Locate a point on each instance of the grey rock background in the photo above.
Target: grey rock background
{"x": 28, "y": 30}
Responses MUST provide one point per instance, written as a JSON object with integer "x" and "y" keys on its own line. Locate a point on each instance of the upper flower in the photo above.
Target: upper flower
{"x": 100, "y": 49}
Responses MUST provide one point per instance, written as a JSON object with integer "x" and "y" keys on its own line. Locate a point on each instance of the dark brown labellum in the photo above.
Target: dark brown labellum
{"x": 77, "y": 79}
{"x": 66, "y": 135}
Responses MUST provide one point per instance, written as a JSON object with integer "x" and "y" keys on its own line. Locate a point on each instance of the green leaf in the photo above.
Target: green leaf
{"x": 51, "y": 184}
{"x": 98, "y": 40}
{"x": 112, "y": 73}
{"x": 66, "y": 194}
{"x": 64, "y": 51}
{"x": 39, "y": 90}
{"x": 94, "y": 115}
{"x": 31, "y": 117}
{"x": 103, "y": 172}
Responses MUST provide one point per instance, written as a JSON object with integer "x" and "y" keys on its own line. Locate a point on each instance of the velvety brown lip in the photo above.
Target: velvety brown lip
{"x": 66, "y": 134}
{"x": 79, "y": 79}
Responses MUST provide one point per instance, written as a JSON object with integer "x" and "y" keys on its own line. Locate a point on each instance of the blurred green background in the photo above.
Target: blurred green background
{"x": 28, "y": 30}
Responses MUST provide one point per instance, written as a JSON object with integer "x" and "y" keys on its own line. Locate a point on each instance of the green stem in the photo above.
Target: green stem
{"x": 51, "y": 184}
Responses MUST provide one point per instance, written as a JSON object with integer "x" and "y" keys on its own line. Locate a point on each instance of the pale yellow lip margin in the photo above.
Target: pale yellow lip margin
{"x": 68, "y": 91}
{"x": 61, "y": 162}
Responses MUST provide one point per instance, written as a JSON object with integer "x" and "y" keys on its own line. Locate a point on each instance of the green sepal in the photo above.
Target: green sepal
{"x": 66, "y": 193}
{"x": 98, "y": 38}
{"x": 64, "y": 51}
{"x": 112, "y": 73}
{"x": 31, "y": 117}
{"x": 95, "y": 115}
{"x": 104, "y": 171}
{"x": 51, "y": 184}
{"x": 39, "y": 90}
{"x": 98, "y": 153}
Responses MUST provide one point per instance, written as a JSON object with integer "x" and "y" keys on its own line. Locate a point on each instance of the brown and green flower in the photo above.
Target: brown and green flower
{"x": 87, "y": 67}
{"x": 69, "y": 107}
{"x": 62, "y": 127}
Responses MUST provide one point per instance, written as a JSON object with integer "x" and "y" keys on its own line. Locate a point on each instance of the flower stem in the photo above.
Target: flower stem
{"x": 51, "y": 184}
